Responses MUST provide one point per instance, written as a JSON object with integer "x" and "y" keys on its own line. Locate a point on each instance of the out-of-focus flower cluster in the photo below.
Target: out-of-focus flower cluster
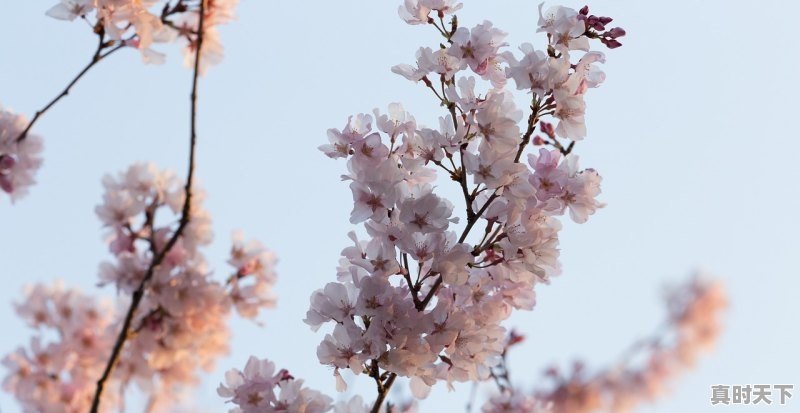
{"x": 692, "y": 328}
{"x": 251, "y": 284}
{"x": 415, "y": 256}
{"x": 19, "y": 160}
{"x": 515, "y": 402}
{"x": 144, "y": 23}
{"x": 180, "y": 325}
{"x": 59, "y": 374}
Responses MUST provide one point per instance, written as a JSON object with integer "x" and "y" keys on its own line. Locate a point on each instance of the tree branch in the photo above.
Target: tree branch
{"x": 382, "y": 395}
{"x": 138, "y": 295}
{"x": 96, "y": 58}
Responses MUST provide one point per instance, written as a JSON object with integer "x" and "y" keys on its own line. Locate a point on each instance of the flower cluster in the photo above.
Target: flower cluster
{"x": 693, "y": 325}
{"x": 19, "y": 159}
{"x": 260, "y": 388}
{"x": 417, "y": 298}
{"x": 515, "y": 402}
{"x": 179, "y": 326}
{"x": 251, "y": 284}
{"x": 59, "y": 376}
{"x": 143, "y": 23}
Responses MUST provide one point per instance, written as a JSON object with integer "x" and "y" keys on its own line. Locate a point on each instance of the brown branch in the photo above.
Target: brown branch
{"x": 138, "y": 295}
{"x": 431, "y": 293}
{"x": 382, "y": 394}
{"x": 526, "y": 138}
{"x": 96, "y": 58}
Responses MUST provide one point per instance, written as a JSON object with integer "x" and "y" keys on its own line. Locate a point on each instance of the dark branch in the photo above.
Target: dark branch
{"x": 382, "y": 395}
{"x": 138, "y": 295}
{"x": 97, "y": 57}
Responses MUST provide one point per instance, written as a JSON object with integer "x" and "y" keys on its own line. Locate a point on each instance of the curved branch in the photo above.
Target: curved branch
{"x": 138, "y": 295}
{"x": 96, "y": 58}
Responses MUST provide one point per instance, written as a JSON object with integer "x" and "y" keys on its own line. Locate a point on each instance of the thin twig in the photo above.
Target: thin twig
{"x": 184, "y": 221}
{"x": 97, "y": 57}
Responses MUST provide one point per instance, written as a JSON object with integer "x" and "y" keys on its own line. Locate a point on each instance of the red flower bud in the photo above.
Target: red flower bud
{"x": 615, "y": 32}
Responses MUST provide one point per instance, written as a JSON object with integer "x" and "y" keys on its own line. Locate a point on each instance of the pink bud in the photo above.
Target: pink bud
{"x": 547, "y": 128}
{"x": 615, "y": 32}
{"x": 6, "y": 162}
{"x": 515, "y": 338}
{"x": 538, "y": 141}
{"x": 5, "y": 184}
{"x": 605, "y": 20}
{"x": 584, "y": 10}
{"x": 132, "y": 43}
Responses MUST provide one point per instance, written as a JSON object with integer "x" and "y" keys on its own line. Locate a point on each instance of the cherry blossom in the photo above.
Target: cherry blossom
{"x": 379, "y": 303}
{"x": 19, "y": 159}
{"x": 142, "y": 24}
{"x": 259, "y": 388}
{"x": 422, "y": 297}
{"x": 641, "y": 375}
{"x": 59, "y": 375}
{"x": 180, "y": 326}
{"x": 251, "y": 284}
{"x": 564, "y": 27}
{"x": 430, "y": 61}
{"x": 479, "y": 48}
{"x": 422, "y": 290}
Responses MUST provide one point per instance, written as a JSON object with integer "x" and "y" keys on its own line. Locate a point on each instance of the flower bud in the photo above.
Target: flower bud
{"x": 615, "y": 32}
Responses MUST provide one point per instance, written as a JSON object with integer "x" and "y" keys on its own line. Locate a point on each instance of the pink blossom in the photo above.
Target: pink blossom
{"x": 19, "y": 160}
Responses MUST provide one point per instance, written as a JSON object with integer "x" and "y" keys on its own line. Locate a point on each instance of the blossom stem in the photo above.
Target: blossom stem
{"x": 383, "y": 393}
{"x": 442, "y": 100}
{"x": 439, "y": 29}
{"x": 138, "y": 294}
{"x": 526, "y": 138}
{"x": 96, "y": 58}
{"x": 431, "y": 293}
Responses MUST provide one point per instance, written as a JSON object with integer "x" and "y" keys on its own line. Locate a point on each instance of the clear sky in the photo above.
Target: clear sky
{"x": 693, "y": 133}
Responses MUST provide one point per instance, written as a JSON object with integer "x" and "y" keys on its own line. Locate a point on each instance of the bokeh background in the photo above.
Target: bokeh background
{"x": 694, "y": 133}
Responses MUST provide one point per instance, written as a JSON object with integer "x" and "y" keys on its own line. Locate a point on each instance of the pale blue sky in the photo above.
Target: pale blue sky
{"x": 692, "y": 133}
